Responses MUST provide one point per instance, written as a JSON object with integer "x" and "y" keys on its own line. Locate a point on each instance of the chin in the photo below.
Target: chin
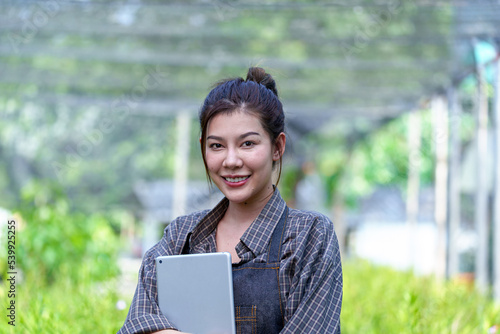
{"x": 237, "y": 199}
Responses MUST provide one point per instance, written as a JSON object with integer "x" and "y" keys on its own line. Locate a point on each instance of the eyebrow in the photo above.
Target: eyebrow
{"x": 251, "y": 133}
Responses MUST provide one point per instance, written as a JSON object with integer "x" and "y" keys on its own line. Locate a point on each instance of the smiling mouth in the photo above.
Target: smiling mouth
{"x": 235, "y": 179}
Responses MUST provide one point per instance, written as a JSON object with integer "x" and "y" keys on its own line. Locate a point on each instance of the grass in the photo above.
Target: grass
{"x": 64, "y": 307}
{"x": 376, "y": 300}
{"x": 382, "y": 300}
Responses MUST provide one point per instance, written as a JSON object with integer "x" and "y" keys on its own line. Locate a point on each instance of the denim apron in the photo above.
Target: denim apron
{"x": 259, "y": 308}
{"x": 258, "y": 305}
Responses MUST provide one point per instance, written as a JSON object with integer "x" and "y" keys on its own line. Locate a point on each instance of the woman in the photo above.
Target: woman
{"x": 287, "y": 273}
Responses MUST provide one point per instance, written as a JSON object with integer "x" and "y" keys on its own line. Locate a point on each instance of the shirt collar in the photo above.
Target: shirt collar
{"x": 257, "y": 236}
{"x": 208, "y": 224}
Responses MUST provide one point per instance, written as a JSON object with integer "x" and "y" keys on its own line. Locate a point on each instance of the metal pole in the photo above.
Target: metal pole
{"x": 440, "y": 123}
{"x": 179, "y": 198}
{"x": 481, "y": 200}
{"x": 496, "y": 205}
{"x": 412, "y": 202}
{"x": 454, "y": 183}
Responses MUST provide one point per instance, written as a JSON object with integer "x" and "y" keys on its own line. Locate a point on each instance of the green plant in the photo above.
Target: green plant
{"x": 383, "y": 300}
{"x": 56, "y": 242}
{"x": 65, "y": 307}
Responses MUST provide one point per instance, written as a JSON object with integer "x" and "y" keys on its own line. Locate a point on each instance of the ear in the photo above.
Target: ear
{"x": 279, "y": 146}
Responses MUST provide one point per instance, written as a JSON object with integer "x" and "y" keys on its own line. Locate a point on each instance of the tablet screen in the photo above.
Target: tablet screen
{"x": 195, "y": 292}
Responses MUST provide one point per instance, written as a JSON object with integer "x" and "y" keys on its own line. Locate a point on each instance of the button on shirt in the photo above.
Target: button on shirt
{"x": 310, "y": 273}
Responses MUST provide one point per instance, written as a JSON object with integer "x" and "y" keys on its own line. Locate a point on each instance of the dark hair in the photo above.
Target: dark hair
{"x": 257, "y": 94}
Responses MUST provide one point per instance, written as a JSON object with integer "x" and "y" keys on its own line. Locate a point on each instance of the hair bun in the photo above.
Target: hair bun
{"x": 259, "y": 75}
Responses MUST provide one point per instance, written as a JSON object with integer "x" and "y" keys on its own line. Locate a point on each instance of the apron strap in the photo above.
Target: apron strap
{"x": 185, "y": 248}
{"x": 274, "y": 252}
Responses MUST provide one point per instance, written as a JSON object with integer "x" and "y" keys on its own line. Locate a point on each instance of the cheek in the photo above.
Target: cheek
{"x": 261, "y": 160}
{"x": 212, "y": 162}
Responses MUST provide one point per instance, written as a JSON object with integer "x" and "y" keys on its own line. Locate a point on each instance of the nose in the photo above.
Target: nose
{"x": 232, "y": 159}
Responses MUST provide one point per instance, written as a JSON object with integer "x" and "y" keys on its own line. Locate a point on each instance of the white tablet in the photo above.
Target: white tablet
{"x": 195, "y": 292}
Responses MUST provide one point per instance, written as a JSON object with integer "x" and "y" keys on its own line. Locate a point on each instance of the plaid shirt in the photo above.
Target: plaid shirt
{"x": 310, "y": 273}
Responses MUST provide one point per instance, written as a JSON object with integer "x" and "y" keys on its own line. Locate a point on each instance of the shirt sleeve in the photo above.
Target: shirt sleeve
{"x": 315, "y": 297}
{"x": 144, "y": 315}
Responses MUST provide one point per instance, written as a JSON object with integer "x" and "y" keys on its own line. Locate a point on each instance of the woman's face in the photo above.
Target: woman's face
{"x": 240, "y": 155}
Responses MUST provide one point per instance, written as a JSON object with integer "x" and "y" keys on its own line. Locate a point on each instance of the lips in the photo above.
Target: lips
{"x": 235, "y": 181}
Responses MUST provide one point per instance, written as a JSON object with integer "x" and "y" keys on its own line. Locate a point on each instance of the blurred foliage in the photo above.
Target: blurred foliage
{"x": 65, "y": 307}
{"x": 68, "y": 147}
{"x": 376, "y": 300}
{"x": 382, "y": 158}
{"x": 354, "y": 159}
{"x": 53, "y": 241}
{"x": 289, "y": 177}
{"x": 382, "y": 300}
{"x": 59, "y": 85}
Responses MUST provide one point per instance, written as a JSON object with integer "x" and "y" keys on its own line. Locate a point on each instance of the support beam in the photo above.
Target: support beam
{"x": 481, "y": 198}
{"x": 338, "y": 213}
{"x": 179, "y": 198}
{"x": 116, "y": 106}
{"x": 413, "y": 186}
{"x": 440, "y": 125}
{"x": 150, "y": 232}
{"x": 454, "y": 205}
{"x": 418, "y": 67}
{"x": 496, "y": 205}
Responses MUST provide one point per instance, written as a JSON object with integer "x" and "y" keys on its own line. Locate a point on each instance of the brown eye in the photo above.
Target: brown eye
{"x": 248, "y": 143}
{"x": 215, "y": 146}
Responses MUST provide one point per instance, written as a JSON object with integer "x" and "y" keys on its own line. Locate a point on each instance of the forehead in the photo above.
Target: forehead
{"x": 236, "y": 122}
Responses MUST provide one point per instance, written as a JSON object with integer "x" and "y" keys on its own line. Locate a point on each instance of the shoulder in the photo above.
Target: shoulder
{"x": 175, "y": 234}
{"x": 309, "y": 234}
{"x": 186, "y": 223}
{"x": 300, "y": 221}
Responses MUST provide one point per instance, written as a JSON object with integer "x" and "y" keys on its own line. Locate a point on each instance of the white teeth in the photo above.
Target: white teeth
{"x": 236, "y": 179}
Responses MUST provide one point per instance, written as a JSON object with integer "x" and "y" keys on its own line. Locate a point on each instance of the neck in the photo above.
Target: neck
{"x": 245, "y": 213}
